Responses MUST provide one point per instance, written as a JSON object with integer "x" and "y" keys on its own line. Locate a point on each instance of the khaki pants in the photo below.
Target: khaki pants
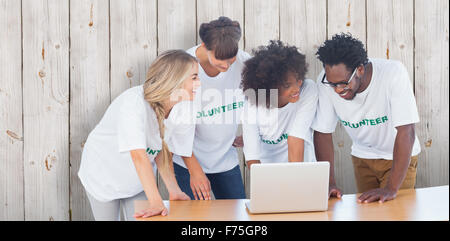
{"x": 375, "y": 173}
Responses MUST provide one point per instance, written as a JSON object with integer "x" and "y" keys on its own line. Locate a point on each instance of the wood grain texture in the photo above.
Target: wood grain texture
{"x": 176, "y": 24}
{"x": 431, "y": 90}
{"x": 347, "y": 16}
{"x": 11, "y": 131}
{"x": 263, "y": 17}
{"x": 46, "y": 108}
{"x": 409, "y": 205}
{"x": 303, "y": 24}
{"x": 133, "y": 42}
{"x": 390, "y": 31}
{"x": 89, "y": 87}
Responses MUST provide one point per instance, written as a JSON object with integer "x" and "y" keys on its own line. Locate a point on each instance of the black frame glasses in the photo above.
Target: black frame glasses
{"x": 341, "y": 85}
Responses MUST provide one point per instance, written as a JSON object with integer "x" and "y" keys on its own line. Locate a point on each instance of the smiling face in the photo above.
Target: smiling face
{"x": 289, "y": 91}
{"x": 191, "y": 83}
{"x": 189, "y": 86}
{"x": 340, "y": 74}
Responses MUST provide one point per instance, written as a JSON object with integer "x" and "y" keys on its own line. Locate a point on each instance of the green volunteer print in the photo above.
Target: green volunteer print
{"x": 280, "y": 139}
{"x": 152, "y": 152}
{"x": 220, "y": 109}
{"x": 365, "y": 122}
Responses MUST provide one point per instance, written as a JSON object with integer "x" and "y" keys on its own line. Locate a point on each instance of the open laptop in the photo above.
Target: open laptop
{"x": 289, "y": 187}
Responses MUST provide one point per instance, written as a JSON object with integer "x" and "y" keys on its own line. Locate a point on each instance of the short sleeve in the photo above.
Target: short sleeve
{"x": 306, "y": 112}
{"x": 250, "y": 133}
{"x": 131, "y": 125}
{"x": 326, "y": 118}
{"x": 401, "y": 98}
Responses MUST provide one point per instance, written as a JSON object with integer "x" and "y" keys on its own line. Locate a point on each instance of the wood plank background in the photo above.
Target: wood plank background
{"x": 63, "y": 61}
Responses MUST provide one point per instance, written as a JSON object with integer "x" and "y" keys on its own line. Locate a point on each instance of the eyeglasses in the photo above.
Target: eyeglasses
{"x": 341, "y": 85}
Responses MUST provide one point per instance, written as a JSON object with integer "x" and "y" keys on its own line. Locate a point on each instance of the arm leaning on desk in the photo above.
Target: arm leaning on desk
{"x": 413, "y": 204}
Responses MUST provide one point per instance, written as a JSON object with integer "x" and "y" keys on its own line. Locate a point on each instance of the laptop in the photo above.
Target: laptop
{"x": 289, "y": 187}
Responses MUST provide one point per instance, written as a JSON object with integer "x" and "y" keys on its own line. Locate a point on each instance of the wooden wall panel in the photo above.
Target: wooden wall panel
{"x": 89, "y": 87}
{"x": 303, "y": 24}
{"x": 177, "y": 27}
{"x": 46, "y": 108}
{"x": 390, "y": 31}
{"x": 11, "y": 129}
{"x": 133, "y": 42}
{"x": 431, "y": 89}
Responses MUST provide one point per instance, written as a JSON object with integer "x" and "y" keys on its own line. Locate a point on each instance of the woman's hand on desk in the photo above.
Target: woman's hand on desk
{"x": 179, "y": 195}
{"x": 201, "y": 188}
{"x": 153, "y": 210}
{"x": 380, "y": 194}
{"x": 200, "y": 185}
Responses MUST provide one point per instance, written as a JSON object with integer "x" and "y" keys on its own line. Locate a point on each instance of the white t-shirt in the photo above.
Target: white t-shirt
{"x": 265, "y": 131}
{"x": 107, "y": 171}
{"x": 371, "y": 117}
{"x": 219, "y": 102}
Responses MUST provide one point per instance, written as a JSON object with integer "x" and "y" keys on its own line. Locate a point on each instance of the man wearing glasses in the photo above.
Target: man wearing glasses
{"x": 374, "y": 101}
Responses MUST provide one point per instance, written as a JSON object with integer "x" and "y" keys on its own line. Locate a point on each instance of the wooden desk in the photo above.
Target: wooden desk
{"x": 414, "y": 204}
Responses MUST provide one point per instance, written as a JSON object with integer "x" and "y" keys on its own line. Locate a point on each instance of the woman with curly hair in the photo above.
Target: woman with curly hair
{"x": 277, "y": 129}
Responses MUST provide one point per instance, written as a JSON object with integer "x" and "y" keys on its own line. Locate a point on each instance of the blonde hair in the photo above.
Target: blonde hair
{"x": 164, "y": 76}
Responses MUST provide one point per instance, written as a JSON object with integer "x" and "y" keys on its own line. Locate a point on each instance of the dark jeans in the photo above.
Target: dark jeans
{"x": 224, "y": 185}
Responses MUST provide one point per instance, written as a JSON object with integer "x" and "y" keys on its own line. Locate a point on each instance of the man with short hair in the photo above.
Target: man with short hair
{"x": 374, "y": 101}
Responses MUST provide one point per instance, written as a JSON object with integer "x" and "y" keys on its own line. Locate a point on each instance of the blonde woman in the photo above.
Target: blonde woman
{"x": 139, "y": 131}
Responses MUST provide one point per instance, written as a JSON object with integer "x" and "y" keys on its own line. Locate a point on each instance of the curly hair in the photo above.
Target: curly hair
{"x": 343, "y": 48}
{"x": 270, "y": 66}
{"x": 221, "y": 35}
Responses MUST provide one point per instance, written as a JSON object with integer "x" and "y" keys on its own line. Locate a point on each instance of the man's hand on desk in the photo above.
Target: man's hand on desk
{"x": 380, "y": 194}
